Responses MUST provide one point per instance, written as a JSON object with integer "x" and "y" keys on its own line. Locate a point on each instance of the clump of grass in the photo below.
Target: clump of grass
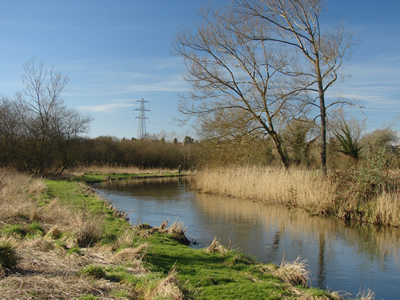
{"x": 167, "y": 288}
{"x": 177, "y": 231}
{"x": 8, "y": 256}
{"x": 37, "y": 187}
{"x": 42, "y": 245}
{"x": 35, "y": 228}
{"x": 96, "y": 272}
{"x": 131, "y": 254}
{"x": 75, "y": 250}
{"x": 293, "y": 273}
{"x": 366, "y": 295}
{"x": 125, "y": 240}
{"x": 90, "y": 230}
{"x": 54, "y": 232}
{"x": 240, "y": 259}
{"x": 216, "y": 247}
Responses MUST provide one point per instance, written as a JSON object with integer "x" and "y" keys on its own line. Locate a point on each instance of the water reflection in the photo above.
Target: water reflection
{"x": 341, "y": 257}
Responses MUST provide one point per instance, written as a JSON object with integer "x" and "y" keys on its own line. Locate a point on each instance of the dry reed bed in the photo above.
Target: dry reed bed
{"x": 300, "y": 188}
{"x": 268, "y": 185}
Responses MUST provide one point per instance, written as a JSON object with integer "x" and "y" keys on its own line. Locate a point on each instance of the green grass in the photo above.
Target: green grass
{"x": 209, "y": 276}
{"x": 22, "y": 230}
{"x": 13, "y": 230}
{"x": 96, "y": 272}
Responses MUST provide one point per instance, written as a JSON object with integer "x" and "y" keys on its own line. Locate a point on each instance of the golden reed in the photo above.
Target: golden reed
{"x": 295, "y": 187}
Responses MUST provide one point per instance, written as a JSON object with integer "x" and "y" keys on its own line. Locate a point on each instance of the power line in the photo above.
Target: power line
{"x": 142, "y": 118}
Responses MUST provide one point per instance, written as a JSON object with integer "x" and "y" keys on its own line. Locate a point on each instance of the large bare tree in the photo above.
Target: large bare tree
{"x": 234, "y": 77}
{"x": 295, "y": 26}
{"x": 267, "y": 58}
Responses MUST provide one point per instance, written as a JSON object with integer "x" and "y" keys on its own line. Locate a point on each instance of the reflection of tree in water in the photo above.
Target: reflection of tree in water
{"x": 276, "y": 242}
{"x": 157, "y": 188}
{"x": 321, "y": 261}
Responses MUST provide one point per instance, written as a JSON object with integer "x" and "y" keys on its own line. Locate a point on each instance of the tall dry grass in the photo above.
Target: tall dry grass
{"x": 386, "y": 210}
{"x": 293, "y": 272}
{"x": 20, "y": 197}
{"x": 269, "y": 185}
{"x": 44, "y": 267}
{"x": 19, "y": 194}
{"x": 305, "y": 189}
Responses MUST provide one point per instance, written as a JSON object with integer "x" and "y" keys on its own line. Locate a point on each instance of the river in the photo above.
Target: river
{"x": 341, "y": 257}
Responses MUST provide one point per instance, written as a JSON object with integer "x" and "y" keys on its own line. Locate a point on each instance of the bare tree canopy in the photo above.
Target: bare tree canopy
{"x": 295, "y": 24}
{"x": 44, "y": 130}
{"x": 233, "y": 75}
{"x": 265, "y": 60}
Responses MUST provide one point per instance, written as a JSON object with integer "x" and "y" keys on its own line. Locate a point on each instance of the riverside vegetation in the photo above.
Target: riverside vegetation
{"x": 58, "y": 239}
{"x": 367, "y": 193}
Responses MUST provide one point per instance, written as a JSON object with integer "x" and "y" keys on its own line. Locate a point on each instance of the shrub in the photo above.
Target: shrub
{"x": 8, "y": 257}
{"x": 369, "y": 179}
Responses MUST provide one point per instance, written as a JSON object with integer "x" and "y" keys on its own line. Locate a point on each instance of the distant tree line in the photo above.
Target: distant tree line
{"x": 145, "y": 153}
{"x": 39, "y": 133}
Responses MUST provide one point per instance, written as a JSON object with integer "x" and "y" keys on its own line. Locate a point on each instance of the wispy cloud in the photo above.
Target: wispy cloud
{"x": 106, "y": 108}
{"x": 373, "y": 84}
{"x": 175, "y": 85}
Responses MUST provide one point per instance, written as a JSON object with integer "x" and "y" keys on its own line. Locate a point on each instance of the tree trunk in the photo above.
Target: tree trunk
{"x": 322, "y": 108}
{"x": 278, "y": 146}
{"x": 323, "y": 134}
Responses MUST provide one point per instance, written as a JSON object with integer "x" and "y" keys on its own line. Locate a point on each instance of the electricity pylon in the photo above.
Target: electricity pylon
{"x": 142, "y": 118}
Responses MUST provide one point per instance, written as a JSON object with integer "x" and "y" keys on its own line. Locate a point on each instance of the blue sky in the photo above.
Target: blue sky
{"x": 117, "y": 52}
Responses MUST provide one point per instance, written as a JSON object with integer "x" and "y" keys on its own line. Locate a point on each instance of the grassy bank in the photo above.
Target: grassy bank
{"x": 95, "y": 174}
{"x": 360, "y": 194}
{"x": 58, "y": 239}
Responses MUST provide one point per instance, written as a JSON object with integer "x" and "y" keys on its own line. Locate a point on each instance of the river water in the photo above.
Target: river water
{"x": 341, "y": 257}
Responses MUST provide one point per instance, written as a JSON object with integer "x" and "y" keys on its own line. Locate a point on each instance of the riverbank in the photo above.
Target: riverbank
{"x": 354, "y": 195}
{"x": 109, "y": 173}
{"x": 66, "y": 242}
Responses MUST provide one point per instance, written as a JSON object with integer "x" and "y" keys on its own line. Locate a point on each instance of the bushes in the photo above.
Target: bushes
{"x": 369, "y": 178}
{"x": 8, "y": 257}
{"x": 368, "y": 192}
